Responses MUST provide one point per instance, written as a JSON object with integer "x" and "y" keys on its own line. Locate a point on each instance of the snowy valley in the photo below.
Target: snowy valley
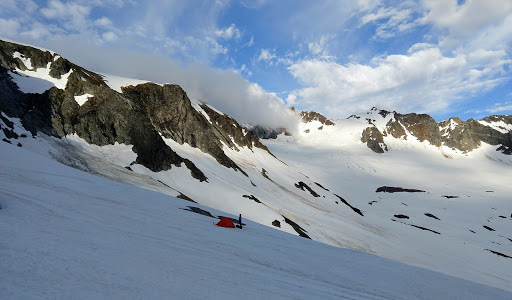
{"x": 430, "y": 202}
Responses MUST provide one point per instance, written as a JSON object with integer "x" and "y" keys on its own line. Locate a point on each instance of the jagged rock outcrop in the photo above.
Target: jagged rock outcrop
{"x": 38, "y": 58}
{"x": 314, "y": 116}
{"x": 422, "y": 126}
{"x": 454, "y": 133}
{"x": 468, "y": 135}
{"x": 395, "y": 129}
{"x": 171, "y": 113}
{"x": 374, "y": 140}
{"x": 228, "y": 129}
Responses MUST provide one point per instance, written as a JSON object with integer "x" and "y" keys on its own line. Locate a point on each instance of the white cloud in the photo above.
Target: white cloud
{"x": 103, "y": 22}
{"x": 494, "y": 37}
{"x": 500, "y": 107}
{"x": 72, "y": 15}
{"x": 9, "y": 27}
{"x": 284, "y": 61}
{"x": 392, "y": 20}
{"x": 424, "y": 80}
{"x": 291, "y": 100}
{"x": 27, "y": 6}
{"x": 245, "y": 70}
{"x": 266, "y": 55}
{"x": 473, "y": 24}
{"x": 253, "y": 4}
{"x": 382, "y": 13}
{"x": 251, "y": 42}
{"x": 58, "y": 10}
{"x": 468, "y": 17}
{"x": 319, "y": 48}
{"x": 215, "y": 47}
{"x": 39, "y": 31}
{"x": 109, "y": 36}
{"x": 229, "y": 32}
{"x": 365, "y": 5}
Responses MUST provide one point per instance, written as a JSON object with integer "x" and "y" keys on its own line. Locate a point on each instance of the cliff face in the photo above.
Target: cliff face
{"x": 171, "y": 113}
{"x": 139, "y": 116}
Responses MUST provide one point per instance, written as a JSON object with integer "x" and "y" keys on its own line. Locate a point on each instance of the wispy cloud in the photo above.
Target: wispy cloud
{"x": 500, "y": 107}
{"x": 266, "y": 55}
{"x": 466, "y": 18}
{"x": 423, "y": 80}
{"x": 229, "y": 32}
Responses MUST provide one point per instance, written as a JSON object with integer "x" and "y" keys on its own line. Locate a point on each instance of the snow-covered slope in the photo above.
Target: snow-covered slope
{"x": 469, "y": 194}
{"x": 68, "y": 234}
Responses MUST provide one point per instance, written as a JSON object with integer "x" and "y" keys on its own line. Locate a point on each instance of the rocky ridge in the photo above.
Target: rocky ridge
{"x": 139, "y": 116}
{"x": 309, "y": 116}
{"x": 461, "y": 135}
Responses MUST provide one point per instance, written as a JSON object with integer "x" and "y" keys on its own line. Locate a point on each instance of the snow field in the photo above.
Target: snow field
{"x": 69, "y": 234}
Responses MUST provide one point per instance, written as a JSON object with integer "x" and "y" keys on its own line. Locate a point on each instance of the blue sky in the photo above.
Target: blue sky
{"x": 252, "y": 59}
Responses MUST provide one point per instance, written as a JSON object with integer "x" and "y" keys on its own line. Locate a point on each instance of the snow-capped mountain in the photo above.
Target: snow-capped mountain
{"x": 400, "y": 186}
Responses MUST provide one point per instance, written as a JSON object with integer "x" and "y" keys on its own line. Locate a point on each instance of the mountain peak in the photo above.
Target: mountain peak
{"x": 314, "y": 116}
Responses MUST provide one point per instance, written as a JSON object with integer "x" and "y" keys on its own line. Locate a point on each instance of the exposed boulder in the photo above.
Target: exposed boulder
{"x": 252, "y": 197}
{"x": 275, "y": 223}
{"x": 301, "y": 185}
{"x": 392, "y": 189}
{"x": 401, "y": 216}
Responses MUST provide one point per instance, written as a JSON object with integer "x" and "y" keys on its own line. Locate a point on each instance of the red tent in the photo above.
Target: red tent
{"x": 226, "y": 222}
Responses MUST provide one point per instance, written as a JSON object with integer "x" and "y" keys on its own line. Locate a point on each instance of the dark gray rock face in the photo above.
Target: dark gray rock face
{"x": 374, "y": 140}
{"x": 266, "y": 132}
{"x": 38, "y": 58}
{"x": 228, "y": 128}
{"x": 495, "y": 118}
{"x": 171, "y": 113}
{"x": 10, "y": 95}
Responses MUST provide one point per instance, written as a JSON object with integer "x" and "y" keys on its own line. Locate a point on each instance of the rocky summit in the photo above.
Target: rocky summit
{"x": 454, "y": 133}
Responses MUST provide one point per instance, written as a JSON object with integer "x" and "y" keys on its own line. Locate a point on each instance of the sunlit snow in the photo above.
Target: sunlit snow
{"x": 68, "y": 234}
